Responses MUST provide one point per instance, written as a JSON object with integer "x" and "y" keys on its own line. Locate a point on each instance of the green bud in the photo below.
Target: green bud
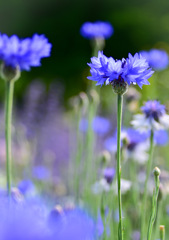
{"x": 84, "y": 101}
{"x": 9, "y": 73}
{"x": 105, "y": 157}
{"x": 156, "y": 172}
{"x": 94, "y": 96}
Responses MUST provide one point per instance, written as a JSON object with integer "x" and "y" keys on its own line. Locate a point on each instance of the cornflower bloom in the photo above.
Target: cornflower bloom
{"x": 157, "y": 59}
{"x": 97, "y": 32}
{"x": 132, "y": 70}
{"x": 97, "y": 29}
{"x": 120, "y": 73}
{"x": 18, "y": 55}
{"x": 153, "y": 117}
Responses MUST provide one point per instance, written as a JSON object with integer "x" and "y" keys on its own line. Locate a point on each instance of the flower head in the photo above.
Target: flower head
{"x": 109, "y": 174}
{"x": 133, "y": 70}
{"x": 100, "y": 125}
{"x": 157, "y": 59}
{"x": 23, "y": 53}
{"x": 153, "y": 117}
{"x": 96, "y": 30}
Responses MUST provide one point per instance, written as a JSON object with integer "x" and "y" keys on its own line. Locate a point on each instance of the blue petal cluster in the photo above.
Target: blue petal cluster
{"x": 97, "y": 29}
{"x": 153, "y": 109}
{"x": 133, "y": 70}
{"x": 24, "y": 53}
{"x": 157, "y": 59}
{"x": 100, "y": 125}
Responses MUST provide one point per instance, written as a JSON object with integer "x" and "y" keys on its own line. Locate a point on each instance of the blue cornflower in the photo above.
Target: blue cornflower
{"x": 100, "y": 125}
{"x": 157, "y": 59}
{"x": 133, "y": 142}
{"x": 23, "y": 53}
{"x": 109, "y": 174}
{"x": 133, "y": 70}
{"x": 153, "y": 117}
{"x": 75, "y": 224}
{"x": 26, "y": 186}
{"x": 97, "y": 29}
{"x": 161, "y": 137}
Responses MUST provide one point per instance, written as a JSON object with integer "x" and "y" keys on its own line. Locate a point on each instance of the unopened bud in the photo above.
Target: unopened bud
{"x": 84, "y": 101}
{"x": 9, "y": 73}
{"x": 94, "y": 96}
{"x": 16, "y": 195}
{"x": 105, "y": 157}
{"x": 156, "y": 171}
{"x": 55, "y": 214}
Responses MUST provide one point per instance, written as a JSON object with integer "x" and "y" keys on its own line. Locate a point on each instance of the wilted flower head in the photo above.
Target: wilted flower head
{"x": 133, "y": 70}
{"x": 153, "y": 117}
{"x": 97, "y": 29}
{"x": 157, "y": 59}
{"x": 23, "y": 53}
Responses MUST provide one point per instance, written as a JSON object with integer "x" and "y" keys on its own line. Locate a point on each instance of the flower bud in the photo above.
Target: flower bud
{"x": 84, "y": 101}
{"x": 16, "y": 195}
{"x": 94, "y": 96}
{"x": 105, "y": 157}
{"x": 9, "y": 73}
{"x": 156, "y": 172}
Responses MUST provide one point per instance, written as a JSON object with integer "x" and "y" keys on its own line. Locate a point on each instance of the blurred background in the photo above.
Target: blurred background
{"x": 137, "y": 25}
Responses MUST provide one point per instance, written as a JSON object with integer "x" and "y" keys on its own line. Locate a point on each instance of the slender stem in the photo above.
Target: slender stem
{"x": 162, "y": 232}
{"x": 119, "y": 120}
{"x": 154, "y": 207}
{"x": 8, "y": 119}
{"x": 149, "y": 165}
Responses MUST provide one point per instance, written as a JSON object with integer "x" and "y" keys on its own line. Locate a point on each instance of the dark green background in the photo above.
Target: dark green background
{"x": 138, "y": 24}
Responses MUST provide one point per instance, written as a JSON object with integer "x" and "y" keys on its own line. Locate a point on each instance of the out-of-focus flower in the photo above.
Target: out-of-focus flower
{"x": 157, "y": 59}
{"x": 133, "y": 70}
{"x": 97, "y": 29}
{"x": 100, "y": 125}
{"x": 161, "y": 137}
{"x": 41, "y": 173}
{"x": 109, "y": 174}
{"x": 133, "y": 143}
{"x": 75, "y": 224}
{"x": 26, "y": 187}
{"x": 153, "y": 117}
{"x": 23, "y": 53}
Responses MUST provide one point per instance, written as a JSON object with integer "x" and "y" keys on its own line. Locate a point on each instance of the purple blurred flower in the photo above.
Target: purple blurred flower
{"x": 161, "y": 137}
{"x": 100, "y": 125}
{"x": 157, "y": 59}
{"x": 133, "y": 70}
{"x": 26, "y": 186}
{"x": 24, "y": 53}
{"x": 109, "y": 174}
{"x": 41, "y": 173}
{"x": 96, "y": 30}
{"x": 153, "y": 117}
{"x": 75, "y": 225}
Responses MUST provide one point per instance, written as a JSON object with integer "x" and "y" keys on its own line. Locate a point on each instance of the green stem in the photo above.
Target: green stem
{"x": 119, "y": 120}
{"x": 8, "y": 119}
{"x": 154, "y": 207}
{"x": 149, "y": 165}
{"x": 162, "y": 232}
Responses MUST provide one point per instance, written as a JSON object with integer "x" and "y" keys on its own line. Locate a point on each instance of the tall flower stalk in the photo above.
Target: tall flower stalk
{"x": 149, "y": 165}
{"x": 8, "y": 117}
{"x": 119, "y": 121}
{"x": 119, "y": 74}
{"x": 17, "y": 55}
